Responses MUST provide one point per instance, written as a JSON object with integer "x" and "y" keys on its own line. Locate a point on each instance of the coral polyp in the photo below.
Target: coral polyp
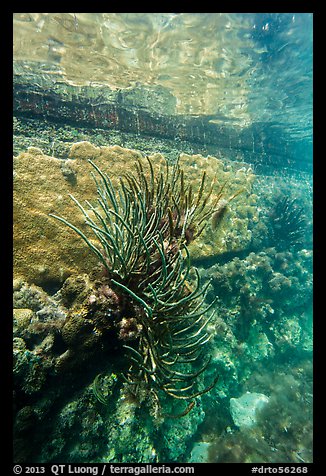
{"x": 142, "y": 229}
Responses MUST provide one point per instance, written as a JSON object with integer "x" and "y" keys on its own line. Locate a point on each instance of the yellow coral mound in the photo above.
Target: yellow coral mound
{"x": 45, "y": 252}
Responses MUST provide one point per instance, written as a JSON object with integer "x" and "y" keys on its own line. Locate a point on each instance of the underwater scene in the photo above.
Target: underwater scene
{"x": 162, "y": 238}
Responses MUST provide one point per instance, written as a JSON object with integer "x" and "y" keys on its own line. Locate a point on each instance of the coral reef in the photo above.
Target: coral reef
{"x": 263, "y": 343}
{"x": 98, "y": 313}
{"x": 71, "y": 322}
{"x": 262, "y": 289}
{"x": 66, "y": 394}
{"x": 283, "y": 430}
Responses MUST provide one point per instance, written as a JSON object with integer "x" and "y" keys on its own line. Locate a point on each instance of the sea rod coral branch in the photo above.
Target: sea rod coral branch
{"x": 143, "y": 228}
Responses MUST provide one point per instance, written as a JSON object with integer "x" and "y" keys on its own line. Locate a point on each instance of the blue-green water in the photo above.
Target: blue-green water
{"x": 228, "y": 94}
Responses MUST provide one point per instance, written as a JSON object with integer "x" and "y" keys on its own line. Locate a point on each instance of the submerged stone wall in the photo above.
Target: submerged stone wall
{"x": 147, "y": 112}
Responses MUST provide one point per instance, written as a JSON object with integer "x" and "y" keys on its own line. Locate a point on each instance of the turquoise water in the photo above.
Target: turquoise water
{"x": 228, "y": 94}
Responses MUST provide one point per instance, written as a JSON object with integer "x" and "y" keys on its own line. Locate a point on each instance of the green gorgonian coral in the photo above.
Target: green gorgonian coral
{"x": 143, "y": 228}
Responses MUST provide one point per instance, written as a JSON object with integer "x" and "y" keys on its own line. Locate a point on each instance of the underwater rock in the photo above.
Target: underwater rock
{"x": 27, "y": 296}
{"x": 243, "y": 409}
{"x": 279, "y": 283}
{"x": 74, "y": 290}
{"x": 28, "y": 370}
{"x": 258, "y": 345}
{"x": 22, "y": 319}
{"x": 199, "y": 453}
{"x": 177, "y": 433}
{"x": 77, "y": 415}
{"x": 289, "y": 334}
